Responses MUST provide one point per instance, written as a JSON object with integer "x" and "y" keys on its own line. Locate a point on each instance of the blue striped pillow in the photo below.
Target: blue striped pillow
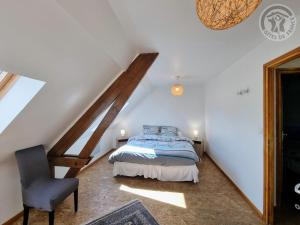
{"x": 151, "y": 130}
{"x": 168, "y": 131}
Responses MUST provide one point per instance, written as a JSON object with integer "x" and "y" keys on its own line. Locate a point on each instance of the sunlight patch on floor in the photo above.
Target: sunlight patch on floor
{"x": 172, "y": 198}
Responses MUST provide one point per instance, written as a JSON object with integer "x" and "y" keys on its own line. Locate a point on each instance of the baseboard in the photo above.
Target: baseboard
{"x": 13, "y": 219}
{"x": 256, "y": 210}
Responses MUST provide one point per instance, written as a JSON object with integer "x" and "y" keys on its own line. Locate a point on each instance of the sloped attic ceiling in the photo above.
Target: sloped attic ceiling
{"x": 186, "y": 46}
{"x": 42, "y": 41}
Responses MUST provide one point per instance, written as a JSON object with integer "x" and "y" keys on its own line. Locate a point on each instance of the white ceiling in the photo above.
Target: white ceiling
{"x": 42, "y": 41}
{"x": 171, "y": 27}
{"x": 186, "y": 47}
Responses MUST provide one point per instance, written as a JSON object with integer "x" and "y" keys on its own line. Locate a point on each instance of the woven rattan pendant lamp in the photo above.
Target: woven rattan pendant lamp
{"x": 223, "y": 14}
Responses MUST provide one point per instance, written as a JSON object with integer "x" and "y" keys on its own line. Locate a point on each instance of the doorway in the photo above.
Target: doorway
{"x": 287, "y": 146}
{"x": 273, "y": 138}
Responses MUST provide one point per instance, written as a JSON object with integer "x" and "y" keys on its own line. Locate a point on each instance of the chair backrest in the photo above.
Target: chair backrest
{"x": 33, "y": 164}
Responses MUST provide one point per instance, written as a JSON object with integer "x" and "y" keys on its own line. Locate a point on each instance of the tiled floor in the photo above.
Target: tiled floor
{"x": 213, "y": 201}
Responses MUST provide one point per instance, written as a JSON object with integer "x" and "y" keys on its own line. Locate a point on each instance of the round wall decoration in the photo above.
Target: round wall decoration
{"x": 223, "y": 14}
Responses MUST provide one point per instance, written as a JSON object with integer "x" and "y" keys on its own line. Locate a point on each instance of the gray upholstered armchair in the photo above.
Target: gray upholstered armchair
{"x": 39, "y": 190}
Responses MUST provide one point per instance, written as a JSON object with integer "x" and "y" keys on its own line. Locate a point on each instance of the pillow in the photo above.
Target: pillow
{"x": 150, "y": 130}
{"x": 168, "y": 131}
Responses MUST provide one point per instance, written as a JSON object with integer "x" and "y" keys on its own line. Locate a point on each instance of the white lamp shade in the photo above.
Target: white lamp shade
{"x": 177, "y": 90}
{"x": 196, "y": 132}
{"x": 123, "y": 132}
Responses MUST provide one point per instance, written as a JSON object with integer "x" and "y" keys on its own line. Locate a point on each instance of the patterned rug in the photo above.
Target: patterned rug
{"x": 133, "y": 213}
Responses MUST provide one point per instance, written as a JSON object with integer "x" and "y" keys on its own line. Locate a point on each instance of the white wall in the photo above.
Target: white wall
{"x": 234, "y": 123}
{"x": 159, "y": 107}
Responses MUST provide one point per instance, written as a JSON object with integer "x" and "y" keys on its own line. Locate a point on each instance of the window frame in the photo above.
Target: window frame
{"x": 6, "y": 83}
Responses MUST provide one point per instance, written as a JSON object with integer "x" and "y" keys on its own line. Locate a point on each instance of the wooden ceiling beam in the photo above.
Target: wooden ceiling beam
{"x": 69, "y": 161}
{"x": 101, "y": 104}
{"x": 137, "y": 72}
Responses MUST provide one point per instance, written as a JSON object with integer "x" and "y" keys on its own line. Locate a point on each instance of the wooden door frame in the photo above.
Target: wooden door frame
{"x": 269, "y": 99}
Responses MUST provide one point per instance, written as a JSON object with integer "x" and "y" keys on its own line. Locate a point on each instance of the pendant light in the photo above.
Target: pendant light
{"x": 221, "y": 15}
{"x": 177, "y": 89}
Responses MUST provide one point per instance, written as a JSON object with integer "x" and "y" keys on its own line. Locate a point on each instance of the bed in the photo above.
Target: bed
{"x": 157, "y": 156}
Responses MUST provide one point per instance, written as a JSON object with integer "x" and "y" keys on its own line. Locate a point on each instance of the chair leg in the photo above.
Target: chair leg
{"x": 51, "y": 217}
{"x": 76, "y": 200}
{"x": 25, "y": 215}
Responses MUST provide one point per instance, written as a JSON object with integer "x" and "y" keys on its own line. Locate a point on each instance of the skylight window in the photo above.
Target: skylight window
{"x": 6, "y": 81}
{"x": 15, "y": 93}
